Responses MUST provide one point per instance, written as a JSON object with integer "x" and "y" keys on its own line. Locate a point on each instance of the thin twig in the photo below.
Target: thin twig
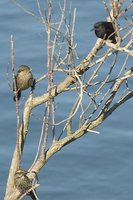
{"x": 18, "y": 141}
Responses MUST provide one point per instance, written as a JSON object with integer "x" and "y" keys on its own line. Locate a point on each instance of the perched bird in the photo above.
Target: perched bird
{"x": 23, "y": 184}
{"x": 105, "y": 30}
{"x": 24, "y": 80}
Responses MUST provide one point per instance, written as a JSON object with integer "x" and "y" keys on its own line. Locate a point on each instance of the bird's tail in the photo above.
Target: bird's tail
{"x": 33, "y": 195}
{"x": 17, "y": 95}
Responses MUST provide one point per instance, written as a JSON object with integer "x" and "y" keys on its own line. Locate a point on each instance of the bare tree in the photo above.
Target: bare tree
{"x": 84, "y": 80}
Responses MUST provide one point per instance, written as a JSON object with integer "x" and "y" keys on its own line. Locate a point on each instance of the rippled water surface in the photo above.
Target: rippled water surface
{"x": 96, "y": 167}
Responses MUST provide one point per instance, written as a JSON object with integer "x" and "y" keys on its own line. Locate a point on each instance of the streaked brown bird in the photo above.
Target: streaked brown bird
{"x": 105, "y": 30}
{"x": 23, "y": 184}
{"x": 24, "y": 80}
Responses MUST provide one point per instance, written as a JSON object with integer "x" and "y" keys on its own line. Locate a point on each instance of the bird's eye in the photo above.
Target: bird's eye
{"x": 19, "y": 70}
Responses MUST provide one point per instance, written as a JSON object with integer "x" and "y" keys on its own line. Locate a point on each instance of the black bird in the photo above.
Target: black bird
{"x": 24, "y": 80}
{"x": 23, "y": 184}
{"x": 105, "y": 30}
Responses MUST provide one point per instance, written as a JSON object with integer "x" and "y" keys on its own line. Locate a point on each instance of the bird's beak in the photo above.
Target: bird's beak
{"x": 92, "y": 29}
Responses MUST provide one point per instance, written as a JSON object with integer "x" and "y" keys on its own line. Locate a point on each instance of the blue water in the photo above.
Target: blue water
{"x": 95, "y": 167}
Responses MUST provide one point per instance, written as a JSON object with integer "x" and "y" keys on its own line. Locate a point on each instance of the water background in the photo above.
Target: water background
{"x": 95, "y": 167}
